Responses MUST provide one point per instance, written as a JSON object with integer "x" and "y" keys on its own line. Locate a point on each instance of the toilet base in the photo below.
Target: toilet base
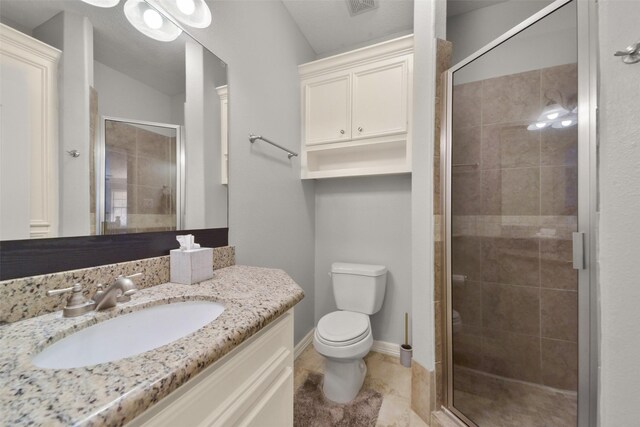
{"x": 343, "y": 379}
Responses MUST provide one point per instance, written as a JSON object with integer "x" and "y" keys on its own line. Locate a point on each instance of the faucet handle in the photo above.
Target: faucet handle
{"x": 77, "y": 304}
{"x": 75, "y": 288}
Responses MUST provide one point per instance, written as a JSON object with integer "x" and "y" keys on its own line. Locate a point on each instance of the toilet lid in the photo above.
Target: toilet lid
{"x": 342, "y": 327}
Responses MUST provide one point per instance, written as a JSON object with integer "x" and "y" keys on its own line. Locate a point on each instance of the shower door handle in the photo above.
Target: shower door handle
{"x": 578, "y": 250}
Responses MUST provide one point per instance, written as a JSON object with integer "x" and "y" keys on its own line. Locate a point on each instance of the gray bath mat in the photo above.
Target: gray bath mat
{"x": 312, "y": 409}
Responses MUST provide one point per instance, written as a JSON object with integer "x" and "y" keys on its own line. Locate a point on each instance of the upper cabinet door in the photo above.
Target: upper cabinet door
{"x": 380, "y": 98}
{"x": 327, "y": 109}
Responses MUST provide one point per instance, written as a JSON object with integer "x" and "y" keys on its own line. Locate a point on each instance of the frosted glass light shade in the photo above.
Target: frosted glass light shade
{"x": 194, "y": 13}
{"x": 552, "y": 112}
{"x": 150, "y": 22}
{"x": 566, "y": 122}
{"x": 102, "y": 3}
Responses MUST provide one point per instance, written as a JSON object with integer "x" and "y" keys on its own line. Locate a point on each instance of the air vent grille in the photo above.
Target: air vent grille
{"x": 357, "y": 7}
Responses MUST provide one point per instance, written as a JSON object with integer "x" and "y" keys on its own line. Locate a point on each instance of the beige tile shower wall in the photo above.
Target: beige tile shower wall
{"x": 443, "y": 62}
{"x": 427, "y": 386}
{"x": 146, "y": 162}
{"x": 513, "y": 218}
{"x": 26, "y": 297}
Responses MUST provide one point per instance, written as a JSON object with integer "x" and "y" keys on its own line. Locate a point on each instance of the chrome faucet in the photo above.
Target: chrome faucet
{"x": 120, "y": 291}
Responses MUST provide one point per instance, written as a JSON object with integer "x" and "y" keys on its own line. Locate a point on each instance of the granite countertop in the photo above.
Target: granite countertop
{"x": 116, "y": 392}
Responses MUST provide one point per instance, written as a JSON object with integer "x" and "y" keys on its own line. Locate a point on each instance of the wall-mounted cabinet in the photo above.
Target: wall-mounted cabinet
{"x": 356, "y": 112}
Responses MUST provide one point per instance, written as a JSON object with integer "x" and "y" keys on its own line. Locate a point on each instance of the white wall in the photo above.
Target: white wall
{"x": 271, "y": 211}
{"x": 472, "y": 30}
{"x": 194, "y": 118}
{"x": 619, "y": 212}
{"x": 426, "y": 14}
{"x": 215, "y": 200}
{"x": 121, "y": 96}
{"x": 527, "y": 51}
{"x": 206, "y": 197}
{"x": 73, "y": 34}
{"x": 366, "y": 220}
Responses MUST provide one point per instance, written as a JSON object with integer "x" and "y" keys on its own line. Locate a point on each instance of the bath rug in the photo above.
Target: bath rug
{"x": 312, "y": 409}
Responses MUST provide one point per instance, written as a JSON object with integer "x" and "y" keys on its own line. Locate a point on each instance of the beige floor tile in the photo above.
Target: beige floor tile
{"x": 311, "y": 360}
{"x": 394, "y": 412}
{"x": 384, "y": 374}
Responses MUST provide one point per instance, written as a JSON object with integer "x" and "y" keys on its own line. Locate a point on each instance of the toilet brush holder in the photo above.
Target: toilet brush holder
{"x": 406, "y": 353}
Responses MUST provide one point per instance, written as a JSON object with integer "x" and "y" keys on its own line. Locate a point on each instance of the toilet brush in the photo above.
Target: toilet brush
{"x": 406, "y": 351}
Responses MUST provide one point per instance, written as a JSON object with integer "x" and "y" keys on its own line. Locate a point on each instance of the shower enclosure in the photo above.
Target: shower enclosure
{"x": 519, "y": 204}
{"x": 139, "y": 177}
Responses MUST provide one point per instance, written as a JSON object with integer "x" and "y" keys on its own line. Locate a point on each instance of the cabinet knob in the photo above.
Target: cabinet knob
{"x": 359, "y": 128}
{"x": 342, "y": 131}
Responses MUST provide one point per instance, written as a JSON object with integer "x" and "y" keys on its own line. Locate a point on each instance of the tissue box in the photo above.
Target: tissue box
{"x": 191, "y": 266}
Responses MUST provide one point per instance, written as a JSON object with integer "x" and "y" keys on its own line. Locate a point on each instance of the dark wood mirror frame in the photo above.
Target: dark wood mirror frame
{"x": 24, "y": 258}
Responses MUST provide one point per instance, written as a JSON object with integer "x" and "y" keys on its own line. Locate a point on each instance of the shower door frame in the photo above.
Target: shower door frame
{"x": 588, "y": 321}
{"x": 100, "y": 159}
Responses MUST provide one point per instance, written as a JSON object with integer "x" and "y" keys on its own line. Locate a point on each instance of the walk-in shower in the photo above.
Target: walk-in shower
{"x": 139, "y": 177}
{"x": 518, "y": 208}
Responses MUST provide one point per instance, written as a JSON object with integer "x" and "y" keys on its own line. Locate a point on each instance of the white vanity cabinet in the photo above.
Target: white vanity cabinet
{"x": 250, "y": 386}
{"x": 357, "y": 112}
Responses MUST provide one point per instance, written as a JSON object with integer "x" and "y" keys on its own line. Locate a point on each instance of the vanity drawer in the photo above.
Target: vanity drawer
{"x": 252, "y": 385}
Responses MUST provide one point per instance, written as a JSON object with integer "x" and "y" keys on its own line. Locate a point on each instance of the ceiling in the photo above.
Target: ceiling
{"x": 458, "y": 7}
{"x": 116, "y": 43}
{"x": 329, "y": 28}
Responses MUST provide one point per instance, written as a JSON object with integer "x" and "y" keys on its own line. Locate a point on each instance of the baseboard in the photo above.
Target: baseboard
{"x": 383, "y": 347}
{"x": 303, "y": 344}
{"x": 387, "y": 348}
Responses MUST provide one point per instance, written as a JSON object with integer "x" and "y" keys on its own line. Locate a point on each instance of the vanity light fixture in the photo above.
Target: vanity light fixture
{"x": 565, "y": 122}
{"x": 102, "y": 3}
{"x": 538, "y": 125}
{"x": 557, "y": 113}
{"x": 194, "y": 13}
{"x": 150, "y": 22}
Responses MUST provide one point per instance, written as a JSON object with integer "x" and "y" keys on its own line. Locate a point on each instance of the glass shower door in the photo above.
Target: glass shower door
{"x": 140, "y": 183}
{"x": 513, "y": 209}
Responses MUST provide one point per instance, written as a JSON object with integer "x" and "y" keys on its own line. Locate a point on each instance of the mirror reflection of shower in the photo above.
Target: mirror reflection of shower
{"x": 139, "y": 190}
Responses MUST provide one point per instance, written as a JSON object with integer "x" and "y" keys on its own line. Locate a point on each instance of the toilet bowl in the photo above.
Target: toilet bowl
{"x": 344, "y": 337}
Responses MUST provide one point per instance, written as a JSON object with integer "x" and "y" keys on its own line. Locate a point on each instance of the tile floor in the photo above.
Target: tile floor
{"x": 497, "y": 402}
{"x": 384, "y": 374}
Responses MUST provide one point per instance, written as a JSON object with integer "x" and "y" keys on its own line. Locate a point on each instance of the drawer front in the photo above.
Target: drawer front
{"x": 229, "y": 391}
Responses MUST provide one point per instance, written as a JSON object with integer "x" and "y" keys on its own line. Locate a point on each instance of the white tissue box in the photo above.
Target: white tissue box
{"x": 191, "y": 266}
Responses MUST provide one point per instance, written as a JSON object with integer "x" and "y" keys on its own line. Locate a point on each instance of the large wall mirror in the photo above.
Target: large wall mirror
{"x": 106, "y": 130}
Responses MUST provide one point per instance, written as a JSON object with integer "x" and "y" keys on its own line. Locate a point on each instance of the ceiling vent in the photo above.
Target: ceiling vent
{"x": 357, "y": 7}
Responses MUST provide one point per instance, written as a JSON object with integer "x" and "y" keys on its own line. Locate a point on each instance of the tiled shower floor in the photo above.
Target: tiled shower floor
{"x": 497, "y": 402}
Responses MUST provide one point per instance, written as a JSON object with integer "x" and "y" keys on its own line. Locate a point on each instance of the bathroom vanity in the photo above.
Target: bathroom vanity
{"x": 236, "y": 369}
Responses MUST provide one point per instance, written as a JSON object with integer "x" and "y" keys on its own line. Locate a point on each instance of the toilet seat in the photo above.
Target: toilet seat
{"x": 343, "y": 328}
{"x": 343, "y": 335}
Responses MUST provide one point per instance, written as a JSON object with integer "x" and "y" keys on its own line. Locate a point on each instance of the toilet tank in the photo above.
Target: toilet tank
{"x": 359, "y": 287}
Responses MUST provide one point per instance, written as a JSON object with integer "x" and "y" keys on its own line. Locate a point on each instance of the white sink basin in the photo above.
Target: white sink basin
{"x": 128, "y": 335}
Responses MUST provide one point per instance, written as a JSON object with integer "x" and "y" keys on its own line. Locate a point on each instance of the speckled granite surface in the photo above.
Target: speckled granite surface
{"x": 25, "y": 297}
{"x": 115, "y": 393}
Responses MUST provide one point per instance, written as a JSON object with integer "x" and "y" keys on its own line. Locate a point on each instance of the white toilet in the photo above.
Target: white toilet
{"x": 344, "y": 337}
